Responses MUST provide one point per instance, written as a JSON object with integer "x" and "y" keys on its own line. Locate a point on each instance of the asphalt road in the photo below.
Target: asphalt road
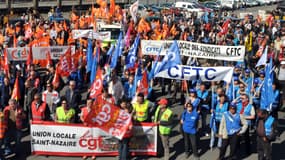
{"x": 176, "y": 140}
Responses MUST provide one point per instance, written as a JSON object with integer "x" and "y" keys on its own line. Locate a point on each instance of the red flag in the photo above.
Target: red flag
{"x": 261, "y": 48}
{"x": 15, "y": 41}
{"x": 56, "y": 80}
{"x": 16, "y": 91}
{"x": 97, "y": 85}
{"x": 65, "y": 66}
{"x": 64, "y": 25}
{"x": 49, "y": 60}
{"x": 225, "y": 27}
{"x": 143, "y": 86}
{"x": 109, "y": 118}
{"x": 30, "y": 57}
{"x": 270, "y": 20}
{"x": 6, "y": 63}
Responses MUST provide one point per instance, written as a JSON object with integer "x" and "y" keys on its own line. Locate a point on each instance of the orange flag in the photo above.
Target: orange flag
{"x": 97, "y": 85}
{"x": 143, "y": 86}
{"x": 112, "y": 7}
{"x": 64, "y": 25}
{"x": 16, "y": 91}
{"x": 143, "y": 26}
{"x": 6, "y": 63}
{"x": 29, "y": 58}
{"x": 49, "y": 60}
{"x": 15, "y": 41}
{"x": 56, "y": 80}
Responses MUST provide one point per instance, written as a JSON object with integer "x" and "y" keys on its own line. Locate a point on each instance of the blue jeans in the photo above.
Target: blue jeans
{"x": 11, "y": 135}
{"x": 124, "y": 149}
{"x": 212, "y": 141}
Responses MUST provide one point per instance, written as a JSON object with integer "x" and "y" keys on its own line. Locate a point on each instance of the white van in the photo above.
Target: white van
{"x": 191, "y": 7}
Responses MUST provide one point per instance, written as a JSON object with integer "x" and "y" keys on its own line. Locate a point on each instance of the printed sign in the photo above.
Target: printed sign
{"x": 182, "y": 72}
{"x": 39, "y": 53}
{"x": 91, "y": 34}
{"x": 48, "y": 138}
{"x": 198, "y": 50}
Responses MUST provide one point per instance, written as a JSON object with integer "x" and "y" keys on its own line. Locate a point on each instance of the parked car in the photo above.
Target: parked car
{"x": 250, "y": 3}
{"x": 213, "y": 5}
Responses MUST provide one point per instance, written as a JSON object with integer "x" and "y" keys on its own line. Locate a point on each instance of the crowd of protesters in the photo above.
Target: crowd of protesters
{"x": 41, "y": 101}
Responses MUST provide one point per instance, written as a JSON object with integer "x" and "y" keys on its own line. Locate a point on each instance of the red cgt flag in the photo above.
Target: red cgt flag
{"x": 56, "y": 80}
{"x": 97, "y": 85}
{"x": 109, "y": 118}
{"x": 16, "y": 91}
{"x": 143, "y": 86}
{"x": 65, "y": 63}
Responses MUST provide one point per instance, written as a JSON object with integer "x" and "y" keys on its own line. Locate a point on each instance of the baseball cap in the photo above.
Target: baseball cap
{"x": 233, "y": 105}
{"x": 247, "y": 71}
{"x": 192, "y": 90}
{"x": 256, "y": 81}
{"x": 262, "y": 72}
{"x": 163, "y": 101}
{"x": 235, "y": 78}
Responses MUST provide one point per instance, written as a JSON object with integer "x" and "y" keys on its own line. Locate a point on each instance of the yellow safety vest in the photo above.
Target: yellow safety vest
{"x": 62, "y": 117}
{"x": 141, "y": 111}
{"x": 164, "y": 130}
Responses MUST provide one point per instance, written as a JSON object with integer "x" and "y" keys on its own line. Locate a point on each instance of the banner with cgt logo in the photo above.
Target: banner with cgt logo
{"x": 49, "y": 138}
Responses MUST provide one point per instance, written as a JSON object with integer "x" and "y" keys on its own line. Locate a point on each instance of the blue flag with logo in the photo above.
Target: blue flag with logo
{"x": 230, "y": 91}
{"x": 110, "y": 51}
{"x": 131, "y": 58}
{"x": 89, "y": 55}
{"x": 94, "y": 66}
{"x": 267, "y": 94}
{"x": 117, "y": 52}
{"x": 172, "y": 58}
{"x": 152, "y": 71}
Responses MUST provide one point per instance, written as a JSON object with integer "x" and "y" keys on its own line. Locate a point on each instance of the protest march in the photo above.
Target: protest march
{"x": 103, "y": 82}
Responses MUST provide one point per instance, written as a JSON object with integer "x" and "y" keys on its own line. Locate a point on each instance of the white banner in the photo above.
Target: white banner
{"x": 91, "y": 34}
{"x": 198, "y": 50}
{"x": 182, "y": 72}
{"x": 77, "y": 140}
{"x": 39, "y": 53}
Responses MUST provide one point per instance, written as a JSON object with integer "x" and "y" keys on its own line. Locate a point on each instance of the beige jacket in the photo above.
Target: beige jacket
{"x": 223, "y": 129}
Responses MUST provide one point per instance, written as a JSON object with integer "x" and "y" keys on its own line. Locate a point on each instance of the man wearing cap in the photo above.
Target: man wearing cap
{"x": 247, "y": 110}
{"x": 247, "y": 79}
{"x": 163, "y": 118}
{"x": 142, "y": 109}
{"x": 232, "y": 125}
{"x": 194, "y": 100}
{"x": 266, "y": 131}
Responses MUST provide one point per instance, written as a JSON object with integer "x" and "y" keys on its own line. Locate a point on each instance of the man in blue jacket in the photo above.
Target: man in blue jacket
{"x": 266, "y": 133}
